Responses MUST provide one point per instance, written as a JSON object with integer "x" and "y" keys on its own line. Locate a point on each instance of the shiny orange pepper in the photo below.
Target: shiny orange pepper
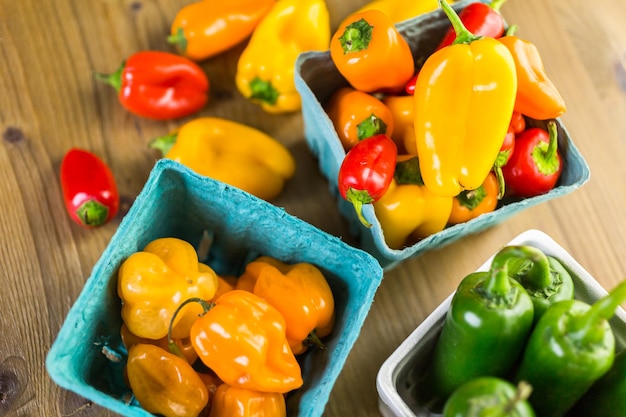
{"x": 537, "y": 96}
{"x": 232, "y": 401}
{"x": 207, "y": 28}
{"x": 357, "y": 115}
{"x": 402, "y": 108}
{"x": 163, "y": 383}
{"x": 241, "y": 337}
{"x": 371, "y": 54}
{"x": 300, "y": 293}
{"x": 470, "y": 204}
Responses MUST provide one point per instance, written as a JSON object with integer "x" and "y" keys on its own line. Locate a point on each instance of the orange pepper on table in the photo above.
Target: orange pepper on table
{"x": 164, "y": 383}
{"x": 357, "y": 115}
{"x": 241, "y": 338}
{"x": 152, "y": 282}
{"x": 470, "y": 204}
{"x": 299, "y": 292}
{"x": 232, "y": 401}
{"x": 207, "y": 28}
{"x": 537, "y": 96}
{"x": 371, "y": 54}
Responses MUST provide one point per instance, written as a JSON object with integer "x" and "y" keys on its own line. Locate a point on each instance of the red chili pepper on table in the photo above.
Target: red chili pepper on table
{"x": 479, "y": 18}
{"x": 159, "y": 85}
{"x": 89, "y": 188}
{"x": 536, "y": 163}
{"x": 367, "y": 171}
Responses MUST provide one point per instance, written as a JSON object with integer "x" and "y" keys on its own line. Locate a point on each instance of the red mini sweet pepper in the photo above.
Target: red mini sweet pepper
{"x": 159, "y": 85}
{"x": 536, "y": 163}
{"x": 89, "y": 188}
{"x": 366, "y": 172}
{"x": 480, "y": 19}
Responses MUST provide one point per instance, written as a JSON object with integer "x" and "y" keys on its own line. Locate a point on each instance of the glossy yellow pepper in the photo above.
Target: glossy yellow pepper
{"x": 408, "y": 211}
{"x": 266, "y": 67}
{"x": 231, "y": 152}
{"x": 163, "y": 383}
{"x": 151, "y": 284}
{"x": 464, "y": 98}
{"x": 399, "y": 10}
{"x": 299, "y": 292}
{"x": 230, "y": 401}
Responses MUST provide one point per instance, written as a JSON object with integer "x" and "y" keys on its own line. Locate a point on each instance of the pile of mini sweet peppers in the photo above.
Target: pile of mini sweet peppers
{"x": 426, "y": 143}
{"x": 515, "y": 341}
{"x": 202, "y": 344}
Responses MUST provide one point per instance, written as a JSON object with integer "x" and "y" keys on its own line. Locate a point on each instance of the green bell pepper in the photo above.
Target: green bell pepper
{"x": 571, "y": 347}
{"x": 489, "y": 397}
{"x": 484, "y": 332}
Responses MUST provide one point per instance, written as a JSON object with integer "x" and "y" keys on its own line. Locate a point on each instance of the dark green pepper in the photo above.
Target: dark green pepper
{"x": 489, "y": 397}
{"x": 546, "y": 281}
{"x": 484, "y": 332}
{"x": 571, "y": 347}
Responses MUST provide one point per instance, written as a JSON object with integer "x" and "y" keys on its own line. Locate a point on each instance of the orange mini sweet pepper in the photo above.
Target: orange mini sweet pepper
{"x": 300, "y": 293}
{"x": 242, "y": 338}
{"x": 357, "y": 115}
{"x": 230, "y": 401}
{"x": 206, "y": 28}
{"x": 402, "y": 108}
{"x": 537, "y": 96}
{"x": 152, "y": 282}
{"x": 371, "y": 54}
{"x": 470, "y": 204}
{"x": 163, "y": 383}
{"x": 464, "y": 99}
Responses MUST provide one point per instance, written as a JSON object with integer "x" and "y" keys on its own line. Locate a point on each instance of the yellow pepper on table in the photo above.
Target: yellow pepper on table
{"x": 408, "y": 211}
{"x": 230, "y": 401}
{"x": 299, "y": 292}
{"x": 205, "y": 28}
{"x": 231, "y": 152}
{"x": 152, "y": 282}
{"x": 242, "y": 338}
{"x": 399, "y": 10}
{"x": 464, "y": 98}
{"x": 266, "y": 67}
{"x": 163, "y": 383}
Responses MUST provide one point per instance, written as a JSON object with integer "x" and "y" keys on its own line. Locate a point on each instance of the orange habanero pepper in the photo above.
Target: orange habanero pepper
{"x": 537, "y": 96}
{"x": 357, "y": 115}
{"x": 163, "y": 383}
{"x": 470, "y": 204}
{"x": 207, "y": 28}
{"x": 184, "y": 345}
{"x": 232, "y": 401}
{"x": 370, "y": 53}
{"x": 241, "y": 337}
{"x": 302, "y": 295}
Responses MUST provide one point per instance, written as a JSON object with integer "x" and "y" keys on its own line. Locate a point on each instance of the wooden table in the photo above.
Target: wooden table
{"x": 50, "y": 102}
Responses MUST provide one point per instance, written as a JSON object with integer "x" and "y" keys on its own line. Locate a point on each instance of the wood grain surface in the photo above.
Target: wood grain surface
{"x": 49, "y": 102}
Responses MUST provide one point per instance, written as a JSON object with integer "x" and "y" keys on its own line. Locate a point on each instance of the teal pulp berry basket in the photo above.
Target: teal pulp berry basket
{"x": 88, "y": 356}
{"x": 317, "y": 79}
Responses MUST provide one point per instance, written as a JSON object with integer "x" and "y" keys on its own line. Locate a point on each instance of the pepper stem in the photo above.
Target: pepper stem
{"x": 179, "y": 40}
{"x": 173, "y": 347}
{"x": 497, "y": 4}
{"x": 499, "y": 283}
{"x": 358, "y": 198}
{"x": 538, "y": 276}
{"x": 164, "y": 143}
{"x": 546, "y": 157}
{"x": 585, "y": 328}
{"x": 463, "y": 36}
{"x": 114, "y": 79}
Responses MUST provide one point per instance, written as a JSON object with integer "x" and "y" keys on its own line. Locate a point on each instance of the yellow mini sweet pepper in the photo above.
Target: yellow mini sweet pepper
{"x": 408, "y": 211}
{"x": 300, "y": 292}
{"x": 151, "y": 284}
{"x": 399, "y": 10}
{"x": 230, "y": 401}
{"x": 464, "y": 99}
{"x": 266, "y": 67}
{"x": 231, "y": 152}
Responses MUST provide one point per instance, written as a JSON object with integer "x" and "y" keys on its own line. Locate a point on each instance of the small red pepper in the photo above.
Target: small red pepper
{"x": 480, "y": 19}
{"x": 159, "y": 85}
{"x": 366, "y": 172}
{"x": 536, "y": 163}
{"x": 89, "y": 188}
{"x": 409, "y": 87}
